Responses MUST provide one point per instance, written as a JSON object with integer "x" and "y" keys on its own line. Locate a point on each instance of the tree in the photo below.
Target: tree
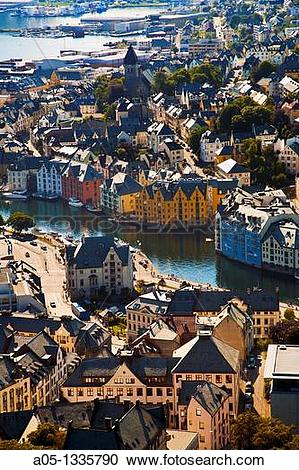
{"x": 289, "y": 314}
{"x": 285, "y": 332}
{"x": 47, "y": 435}
{"x": 194, "y": 139}
{"x": 108, "y": 90}
{"x": 264, "y": 164}
{"x": 250, "y": 431}
{"x": 20, "y": 221}
{"x": 262, "y": 70}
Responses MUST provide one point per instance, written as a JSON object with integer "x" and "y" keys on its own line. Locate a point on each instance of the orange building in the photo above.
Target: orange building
{"x": 81, "y": 181}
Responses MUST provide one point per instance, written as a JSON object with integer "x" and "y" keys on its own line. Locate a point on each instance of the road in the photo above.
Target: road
{"x": 51, "y": 270}
{"x": 256, "y": 377}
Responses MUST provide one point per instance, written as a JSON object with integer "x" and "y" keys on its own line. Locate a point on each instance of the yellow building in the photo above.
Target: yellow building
{"x": 118, "y": 194}
{"x": 190, "y": 201}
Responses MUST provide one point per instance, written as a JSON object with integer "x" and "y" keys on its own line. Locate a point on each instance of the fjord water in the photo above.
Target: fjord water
{"x": 188, "y": 256}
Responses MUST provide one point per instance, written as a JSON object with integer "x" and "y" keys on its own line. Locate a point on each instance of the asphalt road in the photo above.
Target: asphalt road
{"x": 51, "y": 271}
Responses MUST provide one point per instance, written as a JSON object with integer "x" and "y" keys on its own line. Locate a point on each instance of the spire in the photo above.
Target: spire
{"x": 131, "y": 57}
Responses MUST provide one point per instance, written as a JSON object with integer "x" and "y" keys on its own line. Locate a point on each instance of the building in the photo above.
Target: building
{"x": 280, "y": 247}
{"x": 32, "y": 373}
{"x": 156, "y": 380}
{"x": 118, "y": 194}
{"x": 207, "y": 358}
{"x": 157, "y": 133}
{"x": 48, "y": 178}
{"x": 232, "y": 169}
{"x": 210, "y": 144}
{"x": 8, "y": 299}
{"x": 81, "y": 181}
{"x": 282, "y": 369}
{"x": 225, "y": 311}
{"x": 244, "y": 220}
{"x": 288, "y": 153}
{"x": 173, "y": 150}
{"x": 98, "y": 265}
{"x": 137, "y": 428}
{"x": 203, "y": 407}
{"x": 188, "y": 200}
{"x": 71, "y": 334}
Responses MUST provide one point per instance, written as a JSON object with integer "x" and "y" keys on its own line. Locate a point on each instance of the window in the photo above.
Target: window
{"x": 198, "y": 412}
{"x": 218, "y": 379}
{"x": 228, "y": 379}
{"x": 139, "y": 392}
{"x": 100, "y": 392}
{"x": 169, "y": 392}
{"x": 202, "y": 438}
{"x": 80, "y": 392}
{"x": 159, "y": 392}
{"x": 110, "y": 392}
{"x": 70, "y": 392}
{"x": 129, "y": 392}
{"x": 149, "y": 392}
{"x": 188, "y": 377}
{"x": 120, "y": 392}
{"x": 201, "y": 425}
{"x": 89, "y": 392}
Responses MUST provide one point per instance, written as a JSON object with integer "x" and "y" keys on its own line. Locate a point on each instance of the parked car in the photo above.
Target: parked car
{"x": 33, "y": 243}
{"x": 251, "y": 363}
{"x": 249, "y": 387}
{"x": 53, "y": 304}
{"x": 27, "y": 254}
{"x": 44, "y": 248}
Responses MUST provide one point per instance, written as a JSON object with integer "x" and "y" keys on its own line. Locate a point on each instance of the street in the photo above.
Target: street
{"x": 51, "y": 271}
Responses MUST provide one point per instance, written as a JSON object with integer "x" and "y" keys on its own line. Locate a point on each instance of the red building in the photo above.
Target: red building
{"x": 81, "y": 181}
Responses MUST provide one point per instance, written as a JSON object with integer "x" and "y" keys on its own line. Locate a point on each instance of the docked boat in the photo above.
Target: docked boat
{"x": 93, "y": 209}
{"x": 15, "y": 195}
{"x": 74, "y": 202}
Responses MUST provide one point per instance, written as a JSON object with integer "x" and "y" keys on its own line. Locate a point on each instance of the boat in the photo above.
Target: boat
{"x": 209, "y": 239}
{"x": 74, "y": 202}
{"x": 94, "y": 210}
{"x": 46, "y": 196}
{"x": 15, "y": 195}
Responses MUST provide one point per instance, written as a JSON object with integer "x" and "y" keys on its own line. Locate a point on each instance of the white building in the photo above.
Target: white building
{"x": 210, "y": 143}
{"x": 98, "y": 265}
{"x": 288, "y": 153}
{"x": 48, "y": 178}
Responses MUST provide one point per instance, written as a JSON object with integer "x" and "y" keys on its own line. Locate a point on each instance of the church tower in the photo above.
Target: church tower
{"x": 132, "y": 74}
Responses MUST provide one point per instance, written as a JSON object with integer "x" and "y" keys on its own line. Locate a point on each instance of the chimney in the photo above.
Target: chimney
{"x": 108, "y": 423}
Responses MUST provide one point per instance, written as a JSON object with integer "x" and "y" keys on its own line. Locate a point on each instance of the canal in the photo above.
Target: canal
{"x": 187, "y": 255}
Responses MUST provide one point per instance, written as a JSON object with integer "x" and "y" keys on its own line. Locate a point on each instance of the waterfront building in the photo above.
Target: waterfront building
{"x": 98, "y": 265}
{"x": 118, "y": 194}
{"x": 81, "y": 181}
{"x": 21, "y": 174}
{"x": 48, "y": 178}
{"x": 245, "y": 218}
{"x": 282, "y": 370}
{"x": 280, "y": 247}
{"x": 187, "y": 200}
